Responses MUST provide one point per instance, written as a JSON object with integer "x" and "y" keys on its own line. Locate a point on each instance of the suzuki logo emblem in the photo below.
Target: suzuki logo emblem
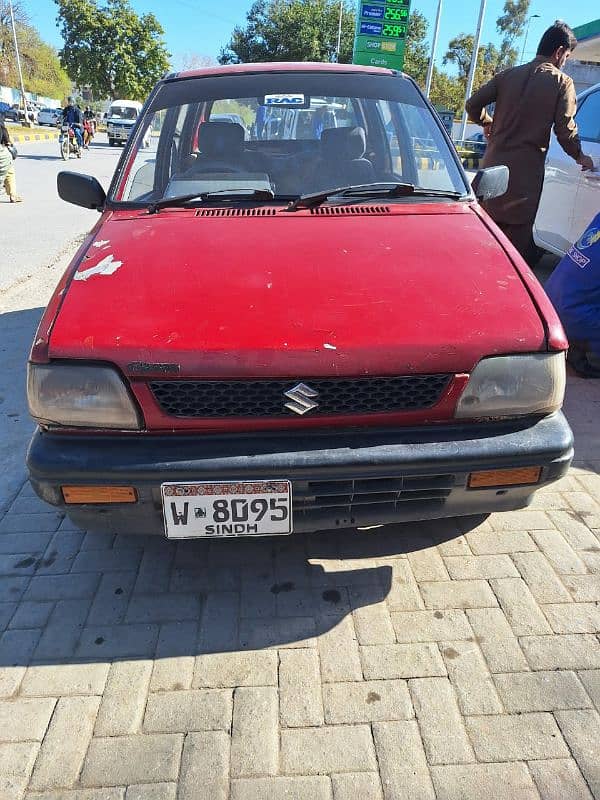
{"x": 301, "y": 399}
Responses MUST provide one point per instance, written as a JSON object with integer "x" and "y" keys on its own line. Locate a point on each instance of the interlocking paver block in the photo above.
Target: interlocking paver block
{"x": 520, "y": 520}
{"x": 522, "y": 612}
{"x": 567, "y": 651}
{"x": 516, "y": 737}
{"x": 174, "y": 659}
{"x": 12, "y": 589}
{"x": 560, "y": 555}
{"x": 371, "y": 619}
{"x": 491, "y": 781}
{"x": 106, "y": 793}
{"x": 56, "y": 680}
{"x": 559, "y": 779}
{"x": 441, "y": 726}
{"x": 61, "y": 635}
{"x": 112, "y": 598}
{"x": 584, "y": 588}
{"x": 309, "y": 787}
{"x": 62, "y": 587}
{"x": 457, "y": 594}
{"x": 65, "y": 743}
{"x": 152, "y": 791}
{"x": 300, "y": 700}
{"x": 363, "y": 785}
{"x": 540, "y": 691}
{"x": 407, "y": 777}
{"x": 163, "y": 608}
{"x": 469, "y": 568}
{"x": 573, "y": 617}
{"x": 107, "y": 560}
{"x": 121, "y": 760}
{"x": 16, "y": 762}
{"x": 338, "y": 653}
{"x": 118, "y": 641}
{"x": 367, "y": 701}
{"x": 205, "y": 766}
{"x": 389, "y": 661}
{"x": 191, "y": 710}
{"x": 124, "y": 699}
{"x": 219, "y": 628}
{"x": 591, "y": 681}
{"x": 404, "y": 592}
{"x": 31, "y": 614}
{"x": 431, "y": 626}
{"x": 581, "y": 729}
{"x": 471, "y": 678}
{"x": 255, "y": 709}
{"x": 484, "y": 542}
{"x": 317, "y": 751}
{"x": 16, "y": 648}
{"x": 222, "y": 670}
{"x": 428, "y": 565}
{"x": 25, "y": 719}
{"x": 497, "y": 640}
{"x": 578, "y": 535}
{"x": 543, "y": 582}
{"x": 31, "y": 523}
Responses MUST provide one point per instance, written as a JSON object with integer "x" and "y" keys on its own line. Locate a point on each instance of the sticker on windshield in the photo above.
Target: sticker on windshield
{"x": 286, "y": 100}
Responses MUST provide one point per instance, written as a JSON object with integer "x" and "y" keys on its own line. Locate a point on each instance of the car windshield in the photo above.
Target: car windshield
{"x": 122, "y": 112}
{"x": 287, "y": 133}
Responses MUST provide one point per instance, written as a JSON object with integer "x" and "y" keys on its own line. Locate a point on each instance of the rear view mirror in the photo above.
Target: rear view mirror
{"x": 491, "y": 182}
{"x": 81, "y": 190}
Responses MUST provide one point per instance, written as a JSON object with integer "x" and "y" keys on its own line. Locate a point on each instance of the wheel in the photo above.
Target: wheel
{"x": 64, "y": 148}
{"x": 111, "y": 142}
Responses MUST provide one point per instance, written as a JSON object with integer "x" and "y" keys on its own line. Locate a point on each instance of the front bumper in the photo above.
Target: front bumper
{"x": 340, "y": 479}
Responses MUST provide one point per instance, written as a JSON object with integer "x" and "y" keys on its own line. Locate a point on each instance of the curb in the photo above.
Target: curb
{"x": 33, "y": 137}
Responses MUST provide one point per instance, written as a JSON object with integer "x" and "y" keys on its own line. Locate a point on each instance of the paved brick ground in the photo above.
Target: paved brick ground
{"x": 421, "y": 661}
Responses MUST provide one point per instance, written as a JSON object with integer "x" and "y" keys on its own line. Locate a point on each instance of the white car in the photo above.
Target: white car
{"x": 49, "y": 116}
{"x": 571, "y": 198}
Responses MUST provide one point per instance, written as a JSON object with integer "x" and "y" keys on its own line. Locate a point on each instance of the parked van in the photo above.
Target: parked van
{"x": 120, "y": 119}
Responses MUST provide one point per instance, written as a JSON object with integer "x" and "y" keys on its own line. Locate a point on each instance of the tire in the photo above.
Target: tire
{"x": 111, "y": 142}
{"x": 64, "y": 148}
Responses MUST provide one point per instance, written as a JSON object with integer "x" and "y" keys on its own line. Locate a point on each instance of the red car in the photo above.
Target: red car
{"x": 303, "y": 323}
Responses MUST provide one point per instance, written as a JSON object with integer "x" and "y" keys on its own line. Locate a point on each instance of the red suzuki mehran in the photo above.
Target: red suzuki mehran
{"x": 293, "y": 315}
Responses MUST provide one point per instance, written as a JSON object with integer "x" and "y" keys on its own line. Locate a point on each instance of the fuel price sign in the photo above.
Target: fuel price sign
{"x": 381, "y": 28}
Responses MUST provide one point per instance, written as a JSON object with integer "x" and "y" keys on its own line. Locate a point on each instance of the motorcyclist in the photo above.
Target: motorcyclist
{"x": 89, "y": 125}
{"x": 73, "y": 117}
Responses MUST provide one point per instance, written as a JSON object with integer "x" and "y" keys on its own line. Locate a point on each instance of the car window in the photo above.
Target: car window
{"x": 123, "y": 112}
{"x": 588, "y": 118}
{"x": 293, "y": 133}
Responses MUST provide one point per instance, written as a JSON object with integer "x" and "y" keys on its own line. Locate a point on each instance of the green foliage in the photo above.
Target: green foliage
{"x": 416, "y": 54}
{"x": 110, "y": 48}
{"x": 292, "y": 30}
{"x": 42, "y": 72}
{"x": 490, "y": 59}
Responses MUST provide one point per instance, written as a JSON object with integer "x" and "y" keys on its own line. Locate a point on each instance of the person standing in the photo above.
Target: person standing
{"x": 530, "y": 100}
{"x": 7, "y": 166}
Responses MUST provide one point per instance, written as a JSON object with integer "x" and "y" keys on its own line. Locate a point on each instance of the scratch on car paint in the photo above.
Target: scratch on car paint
{"x": 269, "y": 285}
{"x": 328, "y": 346}
{"x": 107, "y": 266}
{"x": 101, "y": 243}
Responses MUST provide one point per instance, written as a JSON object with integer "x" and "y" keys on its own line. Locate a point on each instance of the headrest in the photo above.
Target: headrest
{"x": 220, "y": 138}
{"x": 346, "y": 143}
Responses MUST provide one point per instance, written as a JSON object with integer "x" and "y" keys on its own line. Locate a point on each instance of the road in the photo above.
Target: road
{"x": 35, "y": 233}
{"x": 442, "y": 661}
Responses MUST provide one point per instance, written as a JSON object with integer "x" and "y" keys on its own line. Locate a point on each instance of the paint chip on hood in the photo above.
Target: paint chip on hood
{"x": 105, "y": 267}
{"x": 328, "y": 346}
{"x": 101, "y": 243}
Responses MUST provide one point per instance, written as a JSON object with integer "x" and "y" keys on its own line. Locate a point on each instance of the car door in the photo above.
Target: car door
{"x": 587, "y": 198}
{"x": 553, "y": 229}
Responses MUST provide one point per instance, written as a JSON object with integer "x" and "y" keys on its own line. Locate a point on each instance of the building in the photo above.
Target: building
{"x": 585, "y": 69}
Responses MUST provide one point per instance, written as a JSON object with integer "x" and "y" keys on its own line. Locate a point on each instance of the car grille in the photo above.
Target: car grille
{"x": 370, "y": 498}
{"x": 215, "y": 399}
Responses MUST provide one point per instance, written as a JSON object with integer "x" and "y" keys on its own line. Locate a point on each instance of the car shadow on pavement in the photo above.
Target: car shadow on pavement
{"x": 68, "y": 597}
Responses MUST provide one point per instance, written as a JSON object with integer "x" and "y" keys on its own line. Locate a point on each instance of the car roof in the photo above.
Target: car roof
{"x": 280, "y": 66}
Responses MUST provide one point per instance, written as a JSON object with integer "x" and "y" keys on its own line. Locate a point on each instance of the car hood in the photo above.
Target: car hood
{"x": 409, "y": 288}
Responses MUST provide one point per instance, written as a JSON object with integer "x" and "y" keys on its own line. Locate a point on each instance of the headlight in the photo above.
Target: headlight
{"x": 512, "y": 386}
{"x": 80, "y": 396}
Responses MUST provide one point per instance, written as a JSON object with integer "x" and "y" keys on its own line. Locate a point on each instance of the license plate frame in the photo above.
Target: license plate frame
{"x": 189, "y": 511}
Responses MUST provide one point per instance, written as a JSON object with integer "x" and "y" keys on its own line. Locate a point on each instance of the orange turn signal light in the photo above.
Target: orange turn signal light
{"x": 99, "y": 494}
{"x": 493, "y": 478}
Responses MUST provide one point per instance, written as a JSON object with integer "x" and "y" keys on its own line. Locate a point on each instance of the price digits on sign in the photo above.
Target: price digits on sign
{"x": 396, "y": 13}
{"x": 394, "y": 31}
{"x": 404, "y": 3}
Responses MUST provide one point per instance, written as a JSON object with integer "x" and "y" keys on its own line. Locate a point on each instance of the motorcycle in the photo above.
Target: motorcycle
{"x": 68, "y": 142}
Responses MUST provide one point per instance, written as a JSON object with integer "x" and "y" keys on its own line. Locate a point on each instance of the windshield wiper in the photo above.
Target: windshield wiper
{"x": 368, "y": 190}
{"x": 217, "y": 194}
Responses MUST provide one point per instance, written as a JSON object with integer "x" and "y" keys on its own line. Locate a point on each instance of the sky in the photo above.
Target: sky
{"x": 202, "y": 27}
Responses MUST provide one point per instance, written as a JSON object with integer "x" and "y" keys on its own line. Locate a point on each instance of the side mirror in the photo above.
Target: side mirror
{"x": 491, "y": 182}
{"x": 81, "y": 190}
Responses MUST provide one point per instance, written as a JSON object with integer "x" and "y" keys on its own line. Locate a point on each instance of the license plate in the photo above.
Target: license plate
{"x": 229, "y": 508}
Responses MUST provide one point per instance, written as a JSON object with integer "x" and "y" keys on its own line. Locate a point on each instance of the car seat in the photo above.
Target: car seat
{"x": 221, "y": 146}
{"x": 342, "y": 160}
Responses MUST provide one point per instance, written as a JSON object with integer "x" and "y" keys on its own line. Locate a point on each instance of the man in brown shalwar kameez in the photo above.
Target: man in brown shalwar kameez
{"x": 530, "y": 100}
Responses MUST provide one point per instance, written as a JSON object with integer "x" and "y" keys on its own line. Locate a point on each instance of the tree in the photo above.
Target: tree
{"x": 111, "y": 49}
{"x": 42, "y": 72}
{"x": 447, "y": 91}
{"x": 512, "y": 26}
{"x": 292, "y": 30}
{"x": 416, "y": 53}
